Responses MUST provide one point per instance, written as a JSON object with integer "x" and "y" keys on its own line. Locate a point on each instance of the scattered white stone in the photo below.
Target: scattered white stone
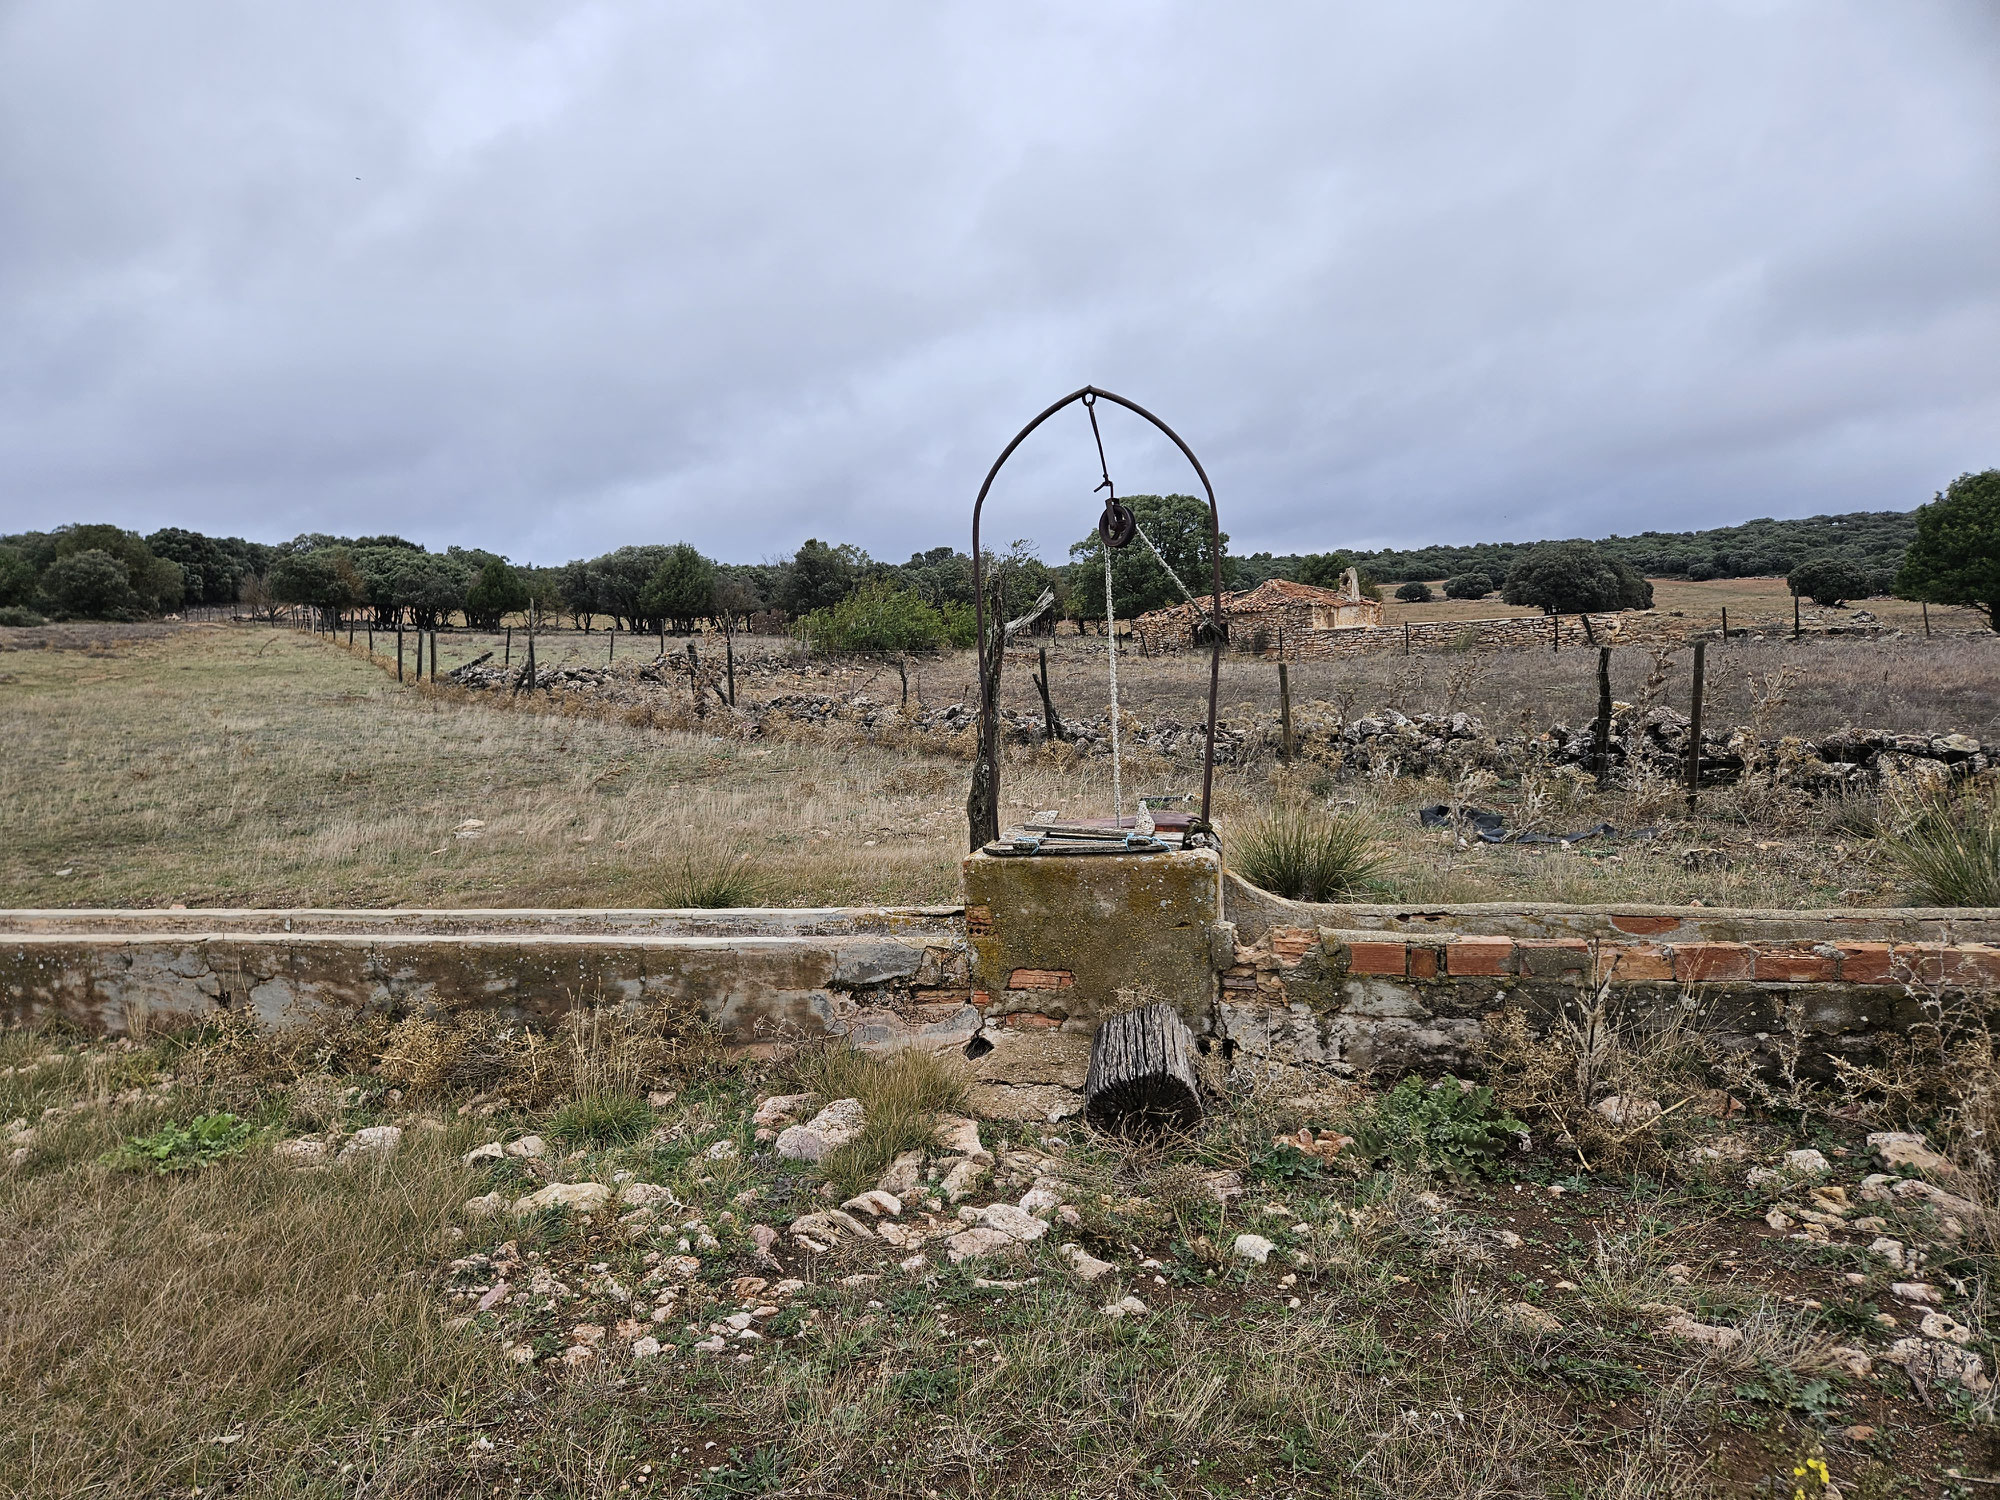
{"x": 576, "y": 1356}
{"x": 1252, "y": 1247}
{"x": 1041, "y": 1201}
{"x": 1939, "y": 1325}
{"x": 904, "y": 1175}
{"x": 659, "y": 1098}
{"x": 583, "y": 1197}
{"x": 1902, "y": 1148}
{"x": 1937, "y": 1197}
{"x": 1708, "y": 1335}
{"x": 973, "y": 1244}
{"x": 1125, "y": 1307}
{"x": 1762, "y": 1177}
{"x": 1013, "y": 1222}
{"x": 964, "y": 1178}
{"x": 1807, "y": 1163}
{"x": 784, "y": 1109}
{"x": 1777, "y": 1218}
{"x": 528, "y": 1148}
{"x": 486, "y": 1207}
{"x": 1506, "y": 1239}
{"x": 827, "y": 1131}
{"x": 495, "y": 1296}
{"x": 1530, "y": 1318}
{"x": 647, "y": 1195}
{"x": 374, "y": 1140}
{"x": 1083, "y": 1265}
{"x": 1890, "y": 1250}
{"x": 713, "y": 1345}
{"x": 721, "y": 1150}
{"x": 959, "y": 1136}
{"x": 1850, "y": 1361}
{"x": 829, "y": 1225}
{"x": 302, "y": 1155}
{"x": 1917, "y": 1291}
{"x": 646, "y": 1348}
{"x": 1627, "y": 1113}
{"x": 1936, "y": 1363}
{"x": 491, "y": 1151}
{"x": 875, "y": 1202}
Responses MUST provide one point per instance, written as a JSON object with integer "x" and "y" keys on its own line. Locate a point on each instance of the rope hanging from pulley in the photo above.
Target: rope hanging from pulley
{"x": 1117, "y": 527}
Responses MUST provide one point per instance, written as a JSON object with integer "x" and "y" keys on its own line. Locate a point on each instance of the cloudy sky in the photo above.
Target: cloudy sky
{"x": 552, "y": 278}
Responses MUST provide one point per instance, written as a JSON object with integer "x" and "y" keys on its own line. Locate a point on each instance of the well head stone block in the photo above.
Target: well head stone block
{"x": 1109, "y": 922}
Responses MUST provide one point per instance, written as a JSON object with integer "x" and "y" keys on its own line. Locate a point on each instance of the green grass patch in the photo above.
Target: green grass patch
{"x": 184, "y": 1148}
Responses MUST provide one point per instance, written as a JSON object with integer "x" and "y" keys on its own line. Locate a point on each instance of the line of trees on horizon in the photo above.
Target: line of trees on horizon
{"x": 1946, "y": 552}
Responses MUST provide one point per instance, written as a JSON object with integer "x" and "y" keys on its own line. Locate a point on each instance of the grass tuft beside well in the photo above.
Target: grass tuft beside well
{"x": 1951, "y": 854}
{"x": 1307, "y": 853}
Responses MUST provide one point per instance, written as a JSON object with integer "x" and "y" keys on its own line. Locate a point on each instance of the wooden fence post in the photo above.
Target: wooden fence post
{"x": 729, "y": 658}
{"x": 1694, "y": 723}
{"x": 1284, "y": 713}
{"x": 1051, "y": 725}
{"x": 1600, "y": 744}
{"x": 610, "y": 645}
{"x": 399, "y": 650}
{"x": 1725, "y": 622}
{"x": 1795, "y": 617}
{"x": 1406, "y": 637}
{"x": 1927, "y": 619}
{"x": 1555, "y": 633}
{"x": 507, "y": 660}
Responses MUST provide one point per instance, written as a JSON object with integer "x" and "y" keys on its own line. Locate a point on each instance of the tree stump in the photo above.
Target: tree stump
{"x": 1142, "y": 1079}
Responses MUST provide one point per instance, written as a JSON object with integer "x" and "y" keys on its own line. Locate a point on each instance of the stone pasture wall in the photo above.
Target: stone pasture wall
{"x": 1019, "y": 979}
{"x": 1510, "y": 633}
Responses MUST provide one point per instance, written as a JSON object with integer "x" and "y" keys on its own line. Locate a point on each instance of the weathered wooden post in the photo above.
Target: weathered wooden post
{"x": 1725, "y": 622}
{"x": 399, "y": 648}
{"x": 1142, "y": 1079}
{"x": 1051, "y": 725}
{"x": 1927, "y": 618}
{"x": 1555, "y": 633}
{"x": 507, "y": 660}
{"x": 1284, "y": 713}
{"x": 1795, "y": 617}
{"x": 1600, "y": 744}
{"x": 1694, "y": 723}
{"x": 434, "y": 654}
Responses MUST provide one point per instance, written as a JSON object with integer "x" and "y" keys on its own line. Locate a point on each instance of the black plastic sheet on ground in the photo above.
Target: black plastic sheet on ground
{"x": 1491, "y": 827}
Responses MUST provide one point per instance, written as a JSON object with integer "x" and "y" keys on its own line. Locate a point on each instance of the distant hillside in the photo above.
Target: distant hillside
{"x": 1871, "y": 539}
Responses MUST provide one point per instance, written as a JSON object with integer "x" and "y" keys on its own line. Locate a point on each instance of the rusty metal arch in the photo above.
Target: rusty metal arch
{"x": 989, "y": 701}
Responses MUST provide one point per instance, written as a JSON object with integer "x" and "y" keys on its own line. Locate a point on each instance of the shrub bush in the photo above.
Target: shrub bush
{"x": 1447, "y": 1126}
{"x": 1415, "y": 593}
{"x": 1951, "y": 854}
{"x": 1469, "y": 586}
{"x": 182, "y": 1148}
{"x": 1308, "y": 853}
{"x": 15, "y": 614}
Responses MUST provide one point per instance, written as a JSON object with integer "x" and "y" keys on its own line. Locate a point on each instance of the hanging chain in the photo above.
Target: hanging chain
{"x": 1117, "y": 524}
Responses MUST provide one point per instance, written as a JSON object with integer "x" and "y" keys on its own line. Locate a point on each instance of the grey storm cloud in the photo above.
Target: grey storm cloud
{"x": 554, "y": 278}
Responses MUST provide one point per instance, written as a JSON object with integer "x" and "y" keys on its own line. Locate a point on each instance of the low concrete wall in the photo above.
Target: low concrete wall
{"x": 1020, "y": 979}
{"x": 879, "y": 976}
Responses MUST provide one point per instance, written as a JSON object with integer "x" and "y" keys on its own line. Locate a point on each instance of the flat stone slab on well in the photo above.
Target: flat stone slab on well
{"x": 1059, "y": 936}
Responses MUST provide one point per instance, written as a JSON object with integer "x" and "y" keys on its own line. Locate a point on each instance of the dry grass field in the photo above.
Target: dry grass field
{"x": 225, "y": 765}
{"x": 193, "y": 1308}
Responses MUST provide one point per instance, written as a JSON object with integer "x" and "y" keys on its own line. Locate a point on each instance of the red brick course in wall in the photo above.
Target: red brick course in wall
{"x": 1040, "y": 979}
{"x": 1967, "y": 965}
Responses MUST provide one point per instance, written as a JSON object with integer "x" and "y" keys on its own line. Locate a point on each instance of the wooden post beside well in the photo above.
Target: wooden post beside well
{"x": 1284, "y": 713}
{"x": 1694, "y": 723}
{"x": 1600, "y": 744}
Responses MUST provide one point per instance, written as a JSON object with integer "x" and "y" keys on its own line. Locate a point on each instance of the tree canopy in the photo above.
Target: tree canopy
{"x": 1179, "y": 527}
{"x": 1569, "y": 578}
{"x": 1955, "y": 555}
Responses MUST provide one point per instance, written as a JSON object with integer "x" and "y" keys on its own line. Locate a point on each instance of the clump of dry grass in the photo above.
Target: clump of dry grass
{"x": 1587, "y": 1053}
{"x": 901, "y": 1092}
{"x": 1950, "y": 852}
